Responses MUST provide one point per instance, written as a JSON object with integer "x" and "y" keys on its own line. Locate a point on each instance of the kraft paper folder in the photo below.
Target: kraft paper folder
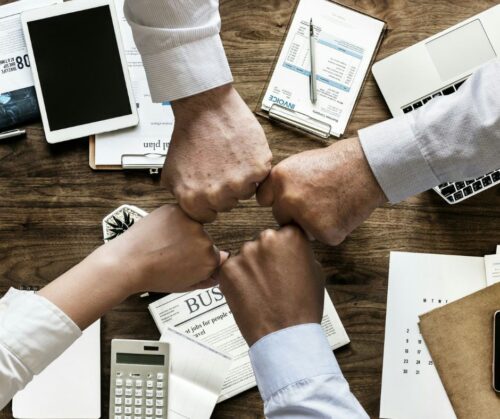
{"x": 459, "y": 337}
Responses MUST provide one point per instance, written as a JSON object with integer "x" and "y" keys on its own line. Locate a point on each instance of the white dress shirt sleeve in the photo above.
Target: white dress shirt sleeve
{"x": 451, "y": 138}
{"x": 180, "y": 46}
{"x": 299, "y": 377}
{"x": 33, "y": 333}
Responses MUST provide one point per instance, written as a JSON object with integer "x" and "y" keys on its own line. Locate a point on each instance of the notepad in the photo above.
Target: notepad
{"x": 196, "y": 377}
{"x": 70, "y": 387}
{"x": 345, "y": 44}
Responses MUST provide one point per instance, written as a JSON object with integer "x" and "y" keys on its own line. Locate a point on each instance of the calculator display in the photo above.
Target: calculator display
{"x": 142, "y": 359}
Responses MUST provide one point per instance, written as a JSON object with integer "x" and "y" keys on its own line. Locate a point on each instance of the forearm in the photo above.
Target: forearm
{"x": 180, "y": 46}
{"x": 451, "y": 138}
{"x": 297, "y": 374}
{"x": 90, "y": 289}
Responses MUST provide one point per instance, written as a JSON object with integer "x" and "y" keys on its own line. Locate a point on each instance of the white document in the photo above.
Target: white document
{"x": 70, "y": 387}
{"x": 492, "y": 266}
{"x": 345, "y": 43}
{"x": 156, "y": 121}
{"x": 206, "y": 316}
{"x": 196, "y": 377}
{"x": 418, "y": 283}
{"x": 15, "y": 70}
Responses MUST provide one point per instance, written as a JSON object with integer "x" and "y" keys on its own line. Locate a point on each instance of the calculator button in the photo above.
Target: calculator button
{"x": 149, "y": 410}
{"x": 138, "y": 417}
{"x": 118, "y": 400}
{"x": 149, "y": 402}
{"x": 119, "y": 382}
{"x": 128, "y": 410}
{"x": 159, "y": 402}
{"x": 149, "y": 383}
{"x": 128, "y": 383}
{"x": 150, "y": 375}
{"x": 119, "y": 373}
{"x": 159, "y": 393}
{"x": 159, "y": 412}
{"x": 160, "y": 376}
{"x": 138, "y": 402}
{"x": 128, "y": 392}
{"x": 118, "y": 391}
{"x": 128, "y": 401}
{"x": 118, "y": 409}
{"x": 138, "y": 392}
{"x": 118, "y": 416}
{"x": 138, "y": 383}
{"x": 149, "y": 417}
{"x": 149, "y": 393}
{"x": 159, "y": 384}
{"x": 138, "y": 411}
{"x": 127, "y": 417}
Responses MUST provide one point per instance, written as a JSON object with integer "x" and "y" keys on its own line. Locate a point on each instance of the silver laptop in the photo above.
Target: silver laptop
{"x": 438, "y": 66}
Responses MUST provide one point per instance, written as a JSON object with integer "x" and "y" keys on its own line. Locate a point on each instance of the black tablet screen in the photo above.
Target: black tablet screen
{"x": 79, "y": 68}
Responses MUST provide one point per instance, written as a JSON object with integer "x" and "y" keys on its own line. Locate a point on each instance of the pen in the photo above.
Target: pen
{"x": 13, "y": 133}
{"x": 312, "y": 77}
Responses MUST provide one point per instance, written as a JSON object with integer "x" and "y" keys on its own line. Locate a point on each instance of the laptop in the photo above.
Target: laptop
{"x": 438, "y": 66}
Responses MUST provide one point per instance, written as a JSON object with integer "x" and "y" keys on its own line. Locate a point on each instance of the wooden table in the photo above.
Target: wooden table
{"x": 52, "y": 203}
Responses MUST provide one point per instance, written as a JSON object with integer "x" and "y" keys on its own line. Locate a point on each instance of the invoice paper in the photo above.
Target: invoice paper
{"x": 345, "y": 43}
{"x": 156, "y": 121}
{"x": 418, "y": 283}
{"x": 196, "y": 377}
{"x": 205, "y": 315}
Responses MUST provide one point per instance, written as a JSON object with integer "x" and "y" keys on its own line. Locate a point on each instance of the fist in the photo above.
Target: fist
{"x": 328, "y": 192}
{"x": 273, "y": 283}
{"x": 165, "y": 251}
{"x": 217, "y": 155}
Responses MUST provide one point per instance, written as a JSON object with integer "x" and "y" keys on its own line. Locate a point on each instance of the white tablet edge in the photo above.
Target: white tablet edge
{"x": 94, "y": 127}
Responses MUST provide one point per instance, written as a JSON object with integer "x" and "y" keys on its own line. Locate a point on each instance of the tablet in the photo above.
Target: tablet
{"x": 79, "y": 69}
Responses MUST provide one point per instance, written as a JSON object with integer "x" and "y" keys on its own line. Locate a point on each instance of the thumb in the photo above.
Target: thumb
{"x": 223, "y": 257}
{"x": 265, "y": 193}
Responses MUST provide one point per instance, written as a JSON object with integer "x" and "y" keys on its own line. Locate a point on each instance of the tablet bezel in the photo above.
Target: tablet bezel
{"x": 66, "y": 134}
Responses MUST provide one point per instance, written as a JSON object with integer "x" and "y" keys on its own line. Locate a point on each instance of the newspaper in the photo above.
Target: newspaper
{"x": 205, "y": 315}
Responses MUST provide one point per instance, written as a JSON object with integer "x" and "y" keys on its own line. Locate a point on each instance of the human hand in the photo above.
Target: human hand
{"x": 273, "y": 283}
{"x": 328, "y": 192}
{"x": 217, "y": 155}
{"x": 164, "y": 252}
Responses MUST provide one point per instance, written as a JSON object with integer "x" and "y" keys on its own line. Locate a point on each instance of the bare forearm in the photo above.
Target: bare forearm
{"x": 89, "y": 289}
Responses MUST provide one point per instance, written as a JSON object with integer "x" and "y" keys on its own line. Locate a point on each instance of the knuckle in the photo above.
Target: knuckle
{"x": 268, "y": 235}
{"x": 248, "y": 248}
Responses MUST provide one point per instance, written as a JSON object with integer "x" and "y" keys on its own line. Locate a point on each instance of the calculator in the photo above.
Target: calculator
{"x": 139, "y": 379}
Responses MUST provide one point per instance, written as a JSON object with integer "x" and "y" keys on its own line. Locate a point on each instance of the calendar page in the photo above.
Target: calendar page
{"x": 418, "y": 283}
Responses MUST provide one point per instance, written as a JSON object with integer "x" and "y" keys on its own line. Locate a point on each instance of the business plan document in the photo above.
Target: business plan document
{"x": 156, "y": 120}
{"x": 205, "y": 316}
{"x": 345, "y": 42}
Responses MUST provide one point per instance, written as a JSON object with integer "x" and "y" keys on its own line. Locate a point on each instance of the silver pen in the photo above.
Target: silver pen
{"x": 13, "y": 133}
{"x": 312, "y": 77}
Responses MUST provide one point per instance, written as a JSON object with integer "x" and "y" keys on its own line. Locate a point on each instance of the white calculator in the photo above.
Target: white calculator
{"x": 139, "y": 379}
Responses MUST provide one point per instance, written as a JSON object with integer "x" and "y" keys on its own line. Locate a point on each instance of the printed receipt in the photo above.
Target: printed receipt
{"x": 345, "y": 43}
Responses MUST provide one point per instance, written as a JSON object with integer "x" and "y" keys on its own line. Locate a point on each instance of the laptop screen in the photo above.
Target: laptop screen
{"x": 461, "y": 50}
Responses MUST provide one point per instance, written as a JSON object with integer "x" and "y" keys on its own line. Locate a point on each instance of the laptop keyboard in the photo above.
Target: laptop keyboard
{"x": 455, "y": 192}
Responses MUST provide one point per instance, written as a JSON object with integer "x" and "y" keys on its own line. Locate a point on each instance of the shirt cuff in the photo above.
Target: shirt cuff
{"x": 290, "y": 355}
{"x": 34, "y": 330}
{"x": 394, "y": 156}
{"x": 187, "y": 70}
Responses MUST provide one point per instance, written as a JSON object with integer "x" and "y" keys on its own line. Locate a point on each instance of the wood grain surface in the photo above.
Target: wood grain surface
{"x": 52, "y": 203}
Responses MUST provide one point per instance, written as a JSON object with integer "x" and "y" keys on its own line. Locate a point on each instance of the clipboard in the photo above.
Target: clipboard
{"x": 153, "y": 162}
{"x": 302, "y": 122}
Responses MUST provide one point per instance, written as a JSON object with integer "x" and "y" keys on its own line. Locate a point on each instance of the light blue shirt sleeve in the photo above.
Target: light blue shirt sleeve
{"x": 299, "y": 377}
{"x": 451, "y": 138}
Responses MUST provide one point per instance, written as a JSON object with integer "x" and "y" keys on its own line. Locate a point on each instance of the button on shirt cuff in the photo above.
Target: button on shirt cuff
{"x": 187, "y": 70}
{"x": 290, "y": 355}
{"x": 395, "y": 158}
{"x": 34, "y": 330}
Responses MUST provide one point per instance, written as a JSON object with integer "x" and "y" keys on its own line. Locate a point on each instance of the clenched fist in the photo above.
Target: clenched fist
{"x": 217, "y": 155}
{"x": 273, "y": 283}
{"x": 328, "y": 192}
